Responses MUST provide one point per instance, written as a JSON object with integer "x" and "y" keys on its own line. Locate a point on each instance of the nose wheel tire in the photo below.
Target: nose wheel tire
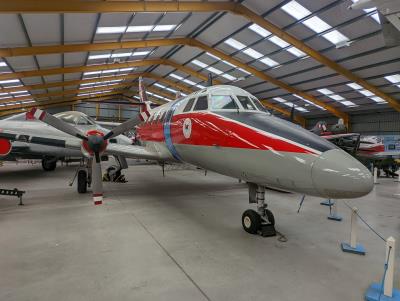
{"x": 251, "y": 221}
{"x": 82, "y": 181}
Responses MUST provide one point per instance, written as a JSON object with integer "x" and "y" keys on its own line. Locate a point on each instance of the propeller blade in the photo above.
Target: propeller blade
{"x": 97, "y": 181}
{"x": 57, "y": 123}
{"x": 123, "y": 127}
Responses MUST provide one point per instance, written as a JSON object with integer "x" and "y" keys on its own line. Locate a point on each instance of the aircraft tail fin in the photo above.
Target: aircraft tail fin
{"x": 144, "y": 108}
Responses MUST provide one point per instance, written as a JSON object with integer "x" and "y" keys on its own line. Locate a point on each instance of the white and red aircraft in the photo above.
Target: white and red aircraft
{"x": 225, "y": 129}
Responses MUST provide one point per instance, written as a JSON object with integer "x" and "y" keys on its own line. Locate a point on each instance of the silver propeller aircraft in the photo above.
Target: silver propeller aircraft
{"x": 24, "y": 147}
{"x": 226, "y": 129}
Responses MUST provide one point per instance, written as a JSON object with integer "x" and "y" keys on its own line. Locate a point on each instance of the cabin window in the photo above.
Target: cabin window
{"x": 163, "y": 116}
{"x": 246, "y": 103}
{"x": 223, "y": 102}
{"x": 201, "y": 104}
{"x": 189, "y": 105}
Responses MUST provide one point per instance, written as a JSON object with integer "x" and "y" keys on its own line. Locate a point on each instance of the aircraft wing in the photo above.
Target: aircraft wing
{"x": 128, "y": 151}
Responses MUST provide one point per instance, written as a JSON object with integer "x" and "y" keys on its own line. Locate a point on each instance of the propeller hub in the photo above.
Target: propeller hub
{"x": 95, "y": 142}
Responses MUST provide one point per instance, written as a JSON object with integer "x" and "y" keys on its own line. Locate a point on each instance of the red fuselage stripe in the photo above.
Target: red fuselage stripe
{"x": 213, "y": 130}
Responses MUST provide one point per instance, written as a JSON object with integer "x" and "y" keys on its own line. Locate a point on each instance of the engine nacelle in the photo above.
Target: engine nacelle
{"x": 5, "y": 147}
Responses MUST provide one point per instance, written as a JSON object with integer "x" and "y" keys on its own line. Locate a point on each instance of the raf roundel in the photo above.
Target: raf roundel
{"x": 187, "y": 128}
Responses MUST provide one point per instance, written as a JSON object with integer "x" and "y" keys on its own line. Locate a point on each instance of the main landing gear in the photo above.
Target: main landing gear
{"x": 49, "y": 163}
{"x": 261, "y": 221}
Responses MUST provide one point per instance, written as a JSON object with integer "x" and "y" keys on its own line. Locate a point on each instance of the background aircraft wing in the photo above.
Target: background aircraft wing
{"x": 129, "y": 151}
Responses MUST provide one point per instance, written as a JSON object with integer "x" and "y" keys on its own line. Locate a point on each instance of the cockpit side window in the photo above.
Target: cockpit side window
{"x": 189, "y": 105}
{"x": 82, "y": 121}
{"x": 223, "y": 102}
{"x": 246, "y": 103}
{"x": 258, "y": 104}
{"x": 201, "y": 104}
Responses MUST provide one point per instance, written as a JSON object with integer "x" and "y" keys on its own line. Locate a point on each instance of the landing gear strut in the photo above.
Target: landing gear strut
{"x": 83, "y": 176}
{"x": 261, "y": 221}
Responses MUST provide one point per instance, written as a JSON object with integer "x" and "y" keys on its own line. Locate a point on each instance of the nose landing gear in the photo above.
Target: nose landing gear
{"x": 261, "y": 221}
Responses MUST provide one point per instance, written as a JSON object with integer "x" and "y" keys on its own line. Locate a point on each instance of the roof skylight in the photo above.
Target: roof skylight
{"x": 110, "y": 29}
{"x": 213, "y": 70}
{"x": 314, "y": 23}
{"x": 290, "y": 104}
{"x": 309, "y": 102}
{"x": 394, "y": 79}
{"x": 251, "y": 52}
{"x": 259, "y": 30}
{"x": 336, "y": 97}
{"x": 137, "y": 28}
{"x": 366, "y": 93}
{"x": 374, "y": 16}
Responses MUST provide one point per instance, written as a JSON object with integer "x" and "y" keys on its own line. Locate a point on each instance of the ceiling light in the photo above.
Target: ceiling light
{"x": 111, "y": 29}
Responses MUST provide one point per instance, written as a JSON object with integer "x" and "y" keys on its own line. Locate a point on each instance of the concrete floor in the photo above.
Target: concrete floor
{"x": 180, "y": 238}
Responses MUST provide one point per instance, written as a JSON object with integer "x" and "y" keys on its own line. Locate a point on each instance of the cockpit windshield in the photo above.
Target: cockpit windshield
{"x": 223, "y": 102}
{"x": 75, "y": 119}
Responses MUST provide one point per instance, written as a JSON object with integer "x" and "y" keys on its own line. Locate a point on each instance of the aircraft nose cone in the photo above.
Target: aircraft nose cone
{"x": 338, "y": 175}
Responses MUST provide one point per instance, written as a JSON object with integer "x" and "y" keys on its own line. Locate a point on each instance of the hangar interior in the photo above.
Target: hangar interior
{"x": 173, "y": 231}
